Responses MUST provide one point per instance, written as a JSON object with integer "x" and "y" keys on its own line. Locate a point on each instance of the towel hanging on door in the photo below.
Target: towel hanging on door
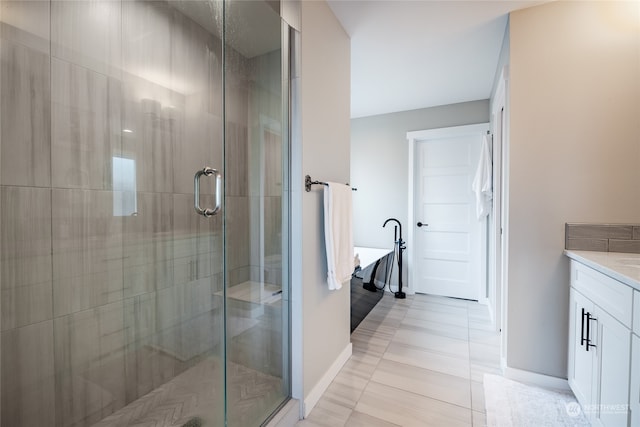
{"x": 482, "y": 185}
{"x": 338, "y": 234}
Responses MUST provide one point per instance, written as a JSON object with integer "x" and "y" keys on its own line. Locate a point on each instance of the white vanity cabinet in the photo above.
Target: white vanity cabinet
{"x": 600, "y": 345}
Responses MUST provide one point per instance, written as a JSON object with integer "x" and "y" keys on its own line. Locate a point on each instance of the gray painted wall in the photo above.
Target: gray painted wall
{"x": 574, "y": 156}
{"x": 379, "y": 159}
{"x": 325, "y": 91}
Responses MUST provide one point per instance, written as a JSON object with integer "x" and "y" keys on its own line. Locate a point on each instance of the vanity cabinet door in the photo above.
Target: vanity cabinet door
{"x": 581, "y": 361}
{"x": 634, "y": 398}
{"x": 613, "y": 351}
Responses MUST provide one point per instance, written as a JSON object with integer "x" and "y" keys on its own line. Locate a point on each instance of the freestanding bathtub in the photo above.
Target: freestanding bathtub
{"x": 373, "y": 264}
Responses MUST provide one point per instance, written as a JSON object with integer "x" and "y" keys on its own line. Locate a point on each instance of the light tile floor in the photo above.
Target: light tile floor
{"x": 416, "y": 362}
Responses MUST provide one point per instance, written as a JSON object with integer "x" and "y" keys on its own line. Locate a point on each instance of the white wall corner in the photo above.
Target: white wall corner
{"x": 505, "y": 73}
{"x": 318, "y": 390}
{"x": 532, "y": 378}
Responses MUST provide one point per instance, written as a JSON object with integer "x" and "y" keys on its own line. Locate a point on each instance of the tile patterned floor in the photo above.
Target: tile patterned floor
{"x": 416, "y": 362}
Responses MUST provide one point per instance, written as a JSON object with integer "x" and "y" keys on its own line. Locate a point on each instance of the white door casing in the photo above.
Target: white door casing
{"x": 448, "y": 256}
{"x": 500, "y": 254}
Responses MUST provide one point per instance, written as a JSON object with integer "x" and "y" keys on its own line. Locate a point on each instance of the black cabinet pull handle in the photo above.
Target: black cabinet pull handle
{"x": 421, "y": 224}
{"x": 582, "y": 339}
{"x": 588, "y": 340}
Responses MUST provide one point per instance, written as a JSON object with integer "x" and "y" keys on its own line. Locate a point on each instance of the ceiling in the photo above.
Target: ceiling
{"x": 422, "y": 53}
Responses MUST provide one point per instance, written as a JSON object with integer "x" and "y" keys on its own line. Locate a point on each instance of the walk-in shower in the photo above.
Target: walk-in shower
{"x": 120, "y": 303}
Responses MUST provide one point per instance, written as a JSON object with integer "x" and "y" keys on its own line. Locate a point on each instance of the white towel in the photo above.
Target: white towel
{"x": 338, "y": 234}
{"x": 482, "y": 185}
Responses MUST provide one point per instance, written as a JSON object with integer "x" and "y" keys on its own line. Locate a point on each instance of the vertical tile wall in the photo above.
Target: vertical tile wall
{"x": 265, "y": 181}
{"x": 237, "y": 157}
{"x": 26, "y": 341}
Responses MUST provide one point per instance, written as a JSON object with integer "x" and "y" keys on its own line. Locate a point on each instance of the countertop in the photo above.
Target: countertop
{"x": 620, "y": 266}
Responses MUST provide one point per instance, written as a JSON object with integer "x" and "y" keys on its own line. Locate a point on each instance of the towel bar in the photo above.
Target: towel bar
{"x": 308, "y": 183}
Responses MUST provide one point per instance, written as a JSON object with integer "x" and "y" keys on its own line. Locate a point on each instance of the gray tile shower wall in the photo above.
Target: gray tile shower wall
{"x": 603, "y": 237}
{"x": 25, "y": 250}
{"x": 25, "y": 108}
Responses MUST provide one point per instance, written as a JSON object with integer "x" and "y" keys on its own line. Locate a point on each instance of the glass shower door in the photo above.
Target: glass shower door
{"x": 256, "y": 200}
{"x": 111, "y": 312}
{"x": 173, "y": 252}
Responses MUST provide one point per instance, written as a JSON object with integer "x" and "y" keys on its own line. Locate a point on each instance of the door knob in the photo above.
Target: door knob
{"x": 420, "y": 224}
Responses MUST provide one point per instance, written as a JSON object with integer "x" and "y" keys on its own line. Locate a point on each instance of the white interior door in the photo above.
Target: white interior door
{"x": 450, "y": 242}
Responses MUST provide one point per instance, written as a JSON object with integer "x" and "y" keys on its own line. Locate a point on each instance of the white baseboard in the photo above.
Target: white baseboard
{"x": 533, "y": 378}
{"x": 316, "y": 392}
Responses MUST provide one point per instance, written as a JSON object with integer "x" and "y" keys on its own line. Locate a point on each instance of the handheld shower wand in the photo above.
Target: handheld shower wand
{"x": 401, "y": 247}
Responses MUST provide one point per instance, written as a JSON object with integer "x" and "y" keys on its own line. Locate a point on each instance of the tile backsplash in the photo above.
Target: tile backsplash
{"x": 602, "y": 237}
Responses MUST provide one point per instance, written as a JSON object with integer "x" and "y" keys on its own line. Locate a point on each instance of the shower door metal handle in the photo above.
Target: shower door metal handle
{"x": 207, "y": 171}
